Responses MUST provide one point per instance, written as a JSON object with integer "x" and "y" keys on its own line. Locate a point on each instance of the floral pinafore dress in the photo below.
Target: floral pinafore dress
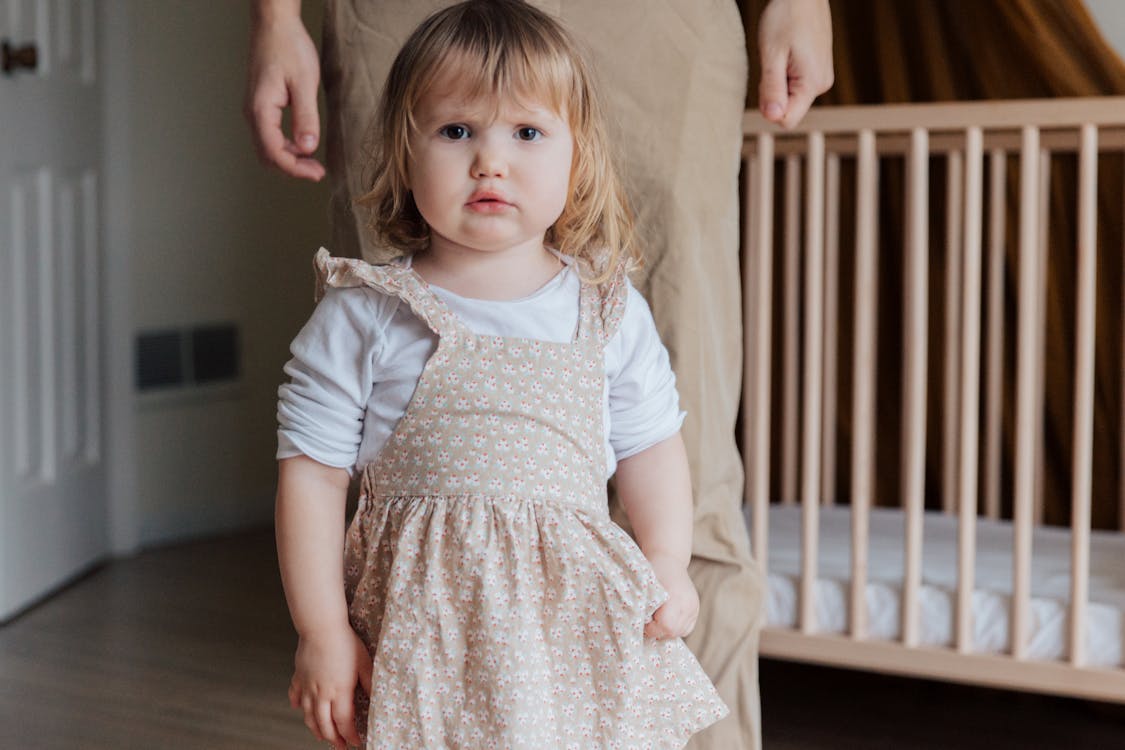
{"x": 501, "y": 605}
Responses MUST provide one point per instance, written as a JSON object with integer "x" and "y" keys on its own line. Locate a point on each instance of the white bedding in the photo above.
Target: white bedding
{"x": 1105, "y": 630}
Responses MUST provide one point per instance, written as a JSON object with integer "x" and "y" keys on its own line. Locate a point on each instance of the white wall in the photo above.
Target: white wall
{"x": 199, "y": 233}
{"x": 1110, "y": 16}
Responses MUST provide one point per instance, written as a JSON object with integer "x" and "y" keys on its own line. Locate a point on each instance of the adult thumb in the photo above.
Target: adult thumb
{"x": 773, "y": 89}
{"x": 306, "y": 118}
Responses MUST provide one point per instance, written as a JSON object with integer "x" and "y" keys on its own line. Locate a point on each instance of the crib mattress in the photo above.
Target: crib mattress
{"x": 1048, "y": 626}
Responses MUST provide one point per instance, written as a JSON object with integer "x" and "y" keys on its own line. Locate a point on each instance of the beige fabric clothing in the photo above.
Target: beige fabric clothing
{"x": 673, "y": 75}
{"x": 501, "y": 605}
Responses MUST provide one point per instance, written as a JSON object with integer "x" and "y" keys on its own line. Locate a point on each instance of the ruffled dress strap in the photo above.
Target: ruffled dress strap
{"x": 392, "y": 279}
{"x": 602, "y": 305}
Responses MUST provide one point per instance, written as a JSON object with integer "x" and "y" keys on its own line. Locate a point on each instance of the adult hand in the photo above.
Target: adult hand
{"x": 795, "y": 45}
{"x": 283, "y": 72}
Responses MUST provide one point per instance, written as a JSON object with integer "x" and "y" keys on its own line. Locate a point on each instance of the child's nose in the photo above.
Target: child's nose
{"x": 490, "y": 162}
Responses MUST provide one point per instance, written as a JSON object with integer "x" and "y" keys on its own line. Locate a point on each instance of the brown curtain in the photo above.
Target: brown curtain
{"x": 894, "y": 51}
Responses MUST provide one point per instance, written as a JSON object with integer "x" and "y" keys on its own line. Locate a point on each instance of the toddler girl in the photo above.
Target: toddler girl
{"x": 484, "y": 385}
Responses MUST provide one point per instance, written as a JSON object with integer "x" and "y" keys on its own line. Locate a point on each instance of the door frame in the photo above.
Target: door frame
{"x": 117, "y": 110}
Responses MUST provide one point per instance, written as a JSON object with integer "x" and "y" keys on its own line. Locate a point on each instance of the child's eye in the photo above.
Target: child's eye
{"x": 529, "y": 134}
{"x": 454, "y": 132}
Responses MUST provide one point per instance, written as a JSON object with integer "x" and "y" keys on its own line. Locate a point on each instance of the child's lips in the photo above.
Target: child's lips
{"x": 489, "y": 207}
{"x": 487, "y": 202}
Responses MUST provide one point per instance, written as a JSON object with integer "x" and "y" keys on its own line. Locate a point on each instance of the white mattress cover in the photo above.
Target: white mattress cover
{"x": 1050, "y": 574}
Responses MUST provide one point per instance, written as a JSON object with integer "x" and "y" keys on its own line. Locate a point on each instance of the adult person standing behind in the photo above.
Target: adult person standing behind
{"x": 675, "y": 77}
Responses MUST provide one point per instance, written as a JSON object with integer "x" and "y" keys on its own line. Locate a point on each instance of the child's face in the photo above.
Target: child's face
{"x": 485, "y": 184}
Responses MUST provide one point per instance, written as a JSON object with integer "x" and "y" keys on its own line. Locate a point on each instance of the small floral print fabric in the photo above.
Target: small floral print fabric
{"x": 502, "y": 607}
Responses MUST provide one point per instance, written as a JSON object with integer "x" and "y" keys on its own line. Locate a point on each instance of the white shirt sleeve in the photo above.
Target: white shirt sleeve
{"x": 644, "y": 407}
{"x": 321, "y": 409}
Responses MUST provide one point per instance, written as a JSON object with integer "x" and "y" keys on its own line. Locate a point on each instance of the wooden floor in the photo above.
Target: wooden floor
{"x": 183, "y": 647}
{"x": 191, "y": 647}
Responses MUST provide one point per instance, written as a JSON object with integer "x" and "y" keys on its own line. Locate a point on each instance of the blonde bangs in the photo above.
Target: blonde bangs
{"x": 497, "y": 51}
{"x": 525, "y": 74}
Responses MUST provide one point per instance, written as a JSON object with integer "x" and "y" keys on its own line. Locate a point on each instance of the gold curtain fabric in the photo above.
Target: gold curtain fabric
{"x": 896, "y": 51}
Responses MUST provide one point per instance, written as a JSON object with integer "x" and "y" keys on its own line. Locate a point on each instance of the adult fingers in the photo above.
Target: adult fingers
{"x": 809, "y": 77}
{"x": 274, "y": 149}
{"x": 773, "y": 89}
{"x": 306, "y": 120}
{"x": 266, "y": 97}
{"x": 800, "y": 99}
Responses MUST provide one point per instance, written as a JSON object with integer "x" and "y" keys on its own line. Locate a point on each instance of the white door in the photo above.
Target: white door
{"x": 53, "y": 510}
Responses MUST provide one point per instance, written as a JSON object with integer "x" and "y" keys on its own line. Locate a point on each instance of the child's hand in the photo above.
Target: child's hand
{"x": 676, "y": 617}
{"x": 328, "y": 666}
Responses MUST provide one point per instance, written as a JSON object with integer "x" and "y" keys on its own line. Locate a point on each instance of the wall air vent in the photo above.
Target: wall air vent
{"x": 179, "y": 358}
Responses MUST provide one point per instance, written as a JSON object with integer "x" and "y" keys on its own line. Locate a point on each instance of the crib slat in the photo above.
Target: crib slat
{"x": 831, "y": 313}
{"x": 758, "y": 352}
{"x": 915, "y": 345}
{"x": 790, "y": 354}
{"x": 814, "y": 343}
{"x": 748, "y": 266}
{"x": 997, "y": 226}
{"x": 1041, "y": 332}
{"x": 1121, "y": 434}
{"x": 953, "y": 222}
{"x": 863, "y": 393}
{"x": 1027, "y": 423}
{"x": 1083, "y": 392}
{"x": 970, "y": 389}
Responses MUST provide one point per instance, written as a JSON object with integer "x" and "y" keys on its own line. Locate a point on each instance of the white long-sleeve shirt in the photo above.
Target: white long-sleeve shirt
{"x": 357, "y": 361}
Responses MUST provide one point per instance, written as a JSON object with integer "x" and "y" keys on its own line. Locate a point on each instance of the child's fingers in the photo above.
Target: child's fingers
{"x": 343, "y": 714}
{"x": 308, "y": 709}
{"x": 366, "y": 665}
{"x": 294, "y": 694}
{"x": 690, "y": 626}
{"x": 658, "y": 626}
{"x": 326, "y": 725}
{"x": 365, "y": 668}
{"x": 669, "y": 622}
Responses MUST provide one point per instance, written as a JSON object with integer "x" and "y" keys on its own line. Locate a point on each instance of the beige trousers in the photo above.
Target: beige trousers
{"x": 673, "y": 76}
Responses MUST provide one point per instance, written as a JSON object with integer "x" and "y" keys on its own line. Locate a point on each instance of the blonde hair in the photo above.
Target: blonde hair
{"x": 502, "y": 49}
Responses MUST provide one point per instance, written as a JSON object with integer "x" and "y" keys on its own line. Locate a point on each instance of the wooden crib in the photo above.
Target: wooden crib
{"x": 966, "y": 590}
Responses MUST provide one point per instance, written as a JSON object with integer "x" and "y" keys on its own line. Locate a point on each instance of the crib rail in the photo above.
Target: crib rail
{"x": 962, "y": 135}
